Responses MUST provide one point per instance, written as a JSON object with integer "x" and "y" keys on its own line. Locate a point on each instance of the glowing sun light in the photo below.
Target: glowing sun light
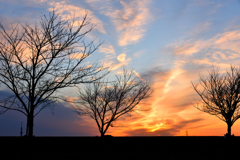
{"x": 156, "y": 127}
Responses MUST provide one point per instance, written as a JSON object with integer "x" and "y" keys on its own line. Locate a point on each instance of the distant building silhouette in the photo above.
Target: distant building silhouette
{"x": 186, "y": 132}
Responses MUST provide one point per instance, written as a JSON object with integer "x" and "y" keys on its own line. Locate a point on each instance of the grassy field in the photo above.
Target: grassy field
{"x": 120, "y": 148}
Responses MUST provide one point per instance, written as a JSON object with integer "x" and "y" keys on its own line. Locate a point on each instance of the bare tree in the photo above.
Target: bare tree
{"x": 105, "y": 102}
{"x": 38, "y": 60}
{"x": 220, "y": 95}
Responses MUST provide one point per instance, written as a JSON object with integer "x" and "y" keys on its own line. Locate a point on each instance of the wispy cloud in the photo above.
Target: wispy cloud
{"x": 162, "y": 130}
{"x": 68, "y": 11}
{"x": 130, "y": 21}
{"x": 112, "y": 59}
{"x": 223, "y": 46}
{"x": 107, "y": 49}
{"x": 37, "y": 1}
{"x": 137, "y": 74}
{"x": 203, "y": 27}
{"x": 203, "y": 2}
{"x": 121, "y": 57}
{"x": 116, "y": 62}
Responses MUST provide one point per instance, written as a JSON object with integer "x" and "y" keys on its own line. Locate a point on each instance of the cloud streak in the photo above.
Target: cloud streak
{"x": 68, "y": 11}
{"x": 117, "y": 62}
{"x": 107, "y": 49}
{"x": 226, "y": 42}
{"x": 163, "y": 131}
{"x": 130, "y": 21}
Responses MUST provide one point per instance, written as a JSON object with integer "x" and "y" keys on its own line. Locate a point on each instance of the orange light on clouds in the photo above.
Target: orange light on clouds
{"x": 172, "y": 111}
{"x": 169, "y": 42}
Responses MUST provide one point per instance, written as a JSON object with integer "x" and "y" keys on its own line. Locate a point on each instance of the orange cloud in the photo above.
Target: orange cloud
{"x": 227, "y": 41}
{"x": 130, "y": 21}
{"x": 172, "y": 111}
{"x": 137, "y": 74}
{"x": 187, "y": 47}
{"x": 199, "y": 56}
{"x": 152, "y": 121}
{"x": 121, "y": 61}
{"x": 107, "y": 49}
{"x": 69, "y": 11}
{"x": 121, "y": 57}
{"x": 79, "y": 55}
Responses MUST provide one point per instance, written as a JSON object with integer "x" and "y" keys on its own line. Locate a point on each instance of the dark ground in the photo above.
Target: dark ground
{"x": 120, "y": 148}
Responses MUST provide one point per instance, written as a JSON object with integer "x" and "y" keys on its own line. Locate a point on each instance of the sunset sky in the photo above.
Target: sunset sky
{"x": 170, "y": 42}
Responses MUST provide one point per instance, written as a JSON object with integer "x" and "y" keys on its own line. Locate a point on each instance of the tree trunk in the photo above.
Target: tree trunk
{"x": 229, "y": 130}
{"x": 102, "y": 134}
{"x": 29, "y": 129}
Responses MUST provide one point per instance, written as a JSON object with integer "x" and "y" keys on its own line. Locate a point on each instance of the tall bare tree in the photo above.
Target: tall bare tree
{"x": 38, "y": 60}
{"x": 105, "y": 102}
{"x": 220, "y": 95}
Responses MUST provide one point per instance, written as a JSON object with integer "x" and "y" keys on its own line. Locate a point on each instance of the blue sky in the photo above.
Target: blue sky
{"x": 171, "y": 42}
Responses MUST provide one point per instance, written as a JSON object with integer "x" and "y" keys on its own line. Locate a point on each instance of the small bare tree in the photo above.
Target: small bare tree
{"x": 105, "y": 102}
{"x": 220, "y": 95}
{"x": 36, "y": 61}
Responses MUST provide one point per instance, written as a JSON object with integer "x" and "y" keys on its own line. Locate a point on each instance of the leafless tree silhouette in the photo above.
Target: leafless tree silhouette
{"x": 220, "y": 95}
{"x": 38, "y": 60}
{"x": 105, "y": 102}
